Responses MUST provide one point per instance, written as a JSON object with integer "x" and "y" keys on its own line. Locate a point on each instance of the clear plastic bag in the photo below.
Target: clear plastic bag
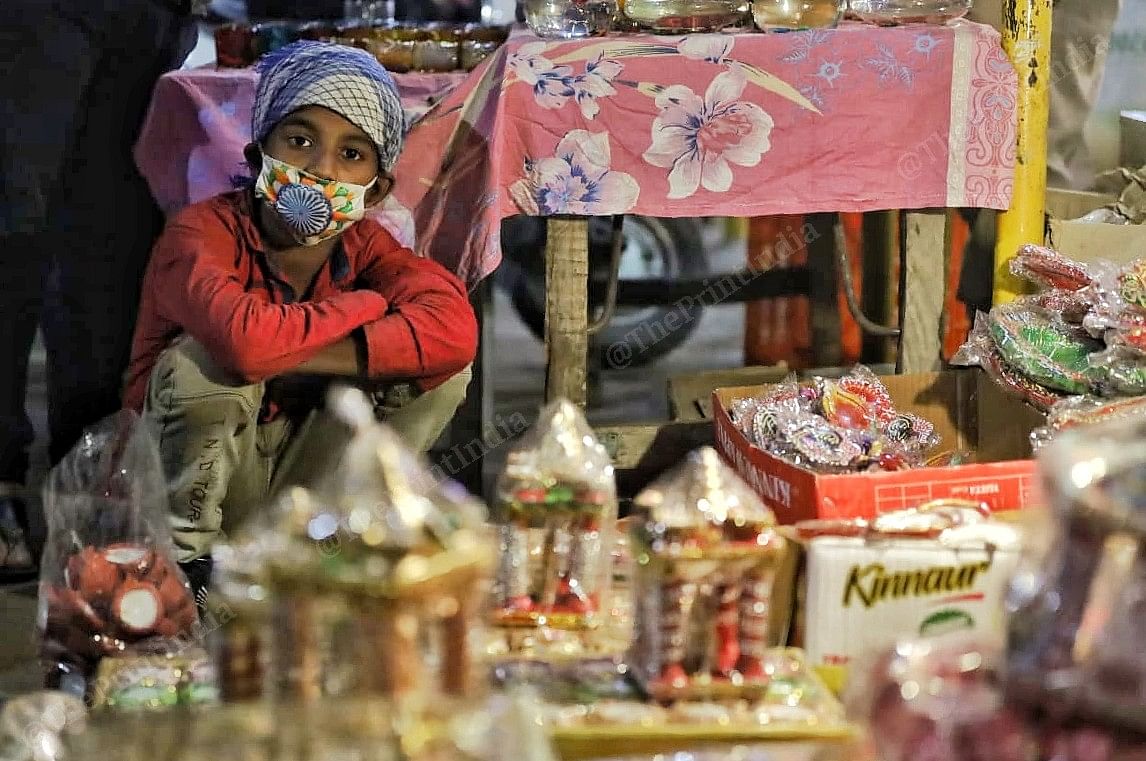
{"x": 370, "y": 584}
{"x": 979, "y": 349}
{"x": 1078, "y": 411}
{"x": 704, "y": 591}
{"x": 109, "y": 582}
{"x": 1049, "y": 269}
{"x": 1076, "y": 642}
{"x": 556, "y": 513}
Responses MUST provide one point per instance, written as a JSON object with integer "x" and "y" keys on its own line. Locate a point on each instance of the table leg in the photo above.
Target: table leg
{"x": 923, "y": 291}
{"x": 824, "y": 294}
{"x": 566, "y": 308}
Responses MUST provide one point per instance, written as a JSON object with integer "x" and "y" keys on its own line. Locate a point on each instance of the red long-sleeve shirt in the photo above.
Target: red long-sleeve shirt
{"x": 209, "y": 277}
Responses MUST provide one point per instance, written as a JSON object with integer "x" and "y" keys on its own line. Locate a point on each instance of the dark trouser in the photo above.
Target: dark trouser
{"x": 76, "y": 220}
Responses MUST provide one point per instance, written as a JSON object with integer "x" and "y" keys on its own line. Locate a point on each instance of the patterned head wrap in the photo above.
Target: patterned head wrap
{"x": 348, "y": 81}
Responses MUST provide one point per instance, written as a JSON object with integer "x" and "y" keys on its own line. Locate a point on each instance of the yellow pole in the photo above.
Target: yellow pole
{"x": 1027, "y": 41}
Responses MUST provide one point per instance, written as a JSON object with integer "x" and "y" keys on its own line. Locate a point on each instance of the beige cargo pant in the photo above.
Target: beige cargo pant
{"x": 222, "y": 465}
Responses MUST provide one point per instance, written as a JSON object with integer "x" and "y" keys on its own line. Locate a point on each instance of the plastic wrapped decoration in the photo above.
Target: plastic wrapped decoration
{"x": 109, "y": 584}
{"x": 1041, "y": 348}
{"x": 1080, "y": 411}
{"x": 1049, "y": 269}
{"x": 707, "y": 553}
{"x": 1076, "y": 644}
{"x": 1120, "y": 303}
{"x": 940, "y": 700}
{"x": 1119, "y": 371}
{"x": 556, "y": 512}
{"x": 980, "y": 350}
{"x": 371, "y": 579}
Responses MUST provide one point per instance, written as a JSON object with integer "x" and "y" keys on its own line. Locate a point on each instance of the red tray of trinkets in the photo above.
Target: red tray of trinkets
{"x": 976, "y": 422}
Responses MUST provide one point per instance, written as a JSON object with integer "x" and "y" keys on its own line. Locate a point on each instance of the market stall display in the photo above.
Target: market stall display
{"x": 399, "y": 47}
{"x": 985, "y": 453}
{"x": 490, "y": 149}
{"x": 109, "y": 587}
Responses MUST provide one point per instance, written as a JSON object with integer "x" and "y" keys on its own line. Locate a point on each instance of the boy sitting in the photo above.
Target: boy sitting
{"x": 252, "y": 292}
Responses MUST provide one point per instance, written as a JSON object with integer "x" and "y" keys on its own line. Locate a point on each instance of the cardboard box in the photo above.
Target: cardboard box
{"x": 969, "y": 412}
{"x": 861, "y": 597}
{"x": 1133, "y": 148}
{"x": 1090, "y": 242}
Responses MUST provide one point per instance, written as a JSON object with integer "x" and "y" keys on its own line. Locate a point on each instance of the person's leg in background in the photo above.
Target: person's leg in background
{"x": 46, "y": 61}
{"x": 105, "y": 226}
{"x": 1079, "y": 42}
{"x": 19, "y": 316}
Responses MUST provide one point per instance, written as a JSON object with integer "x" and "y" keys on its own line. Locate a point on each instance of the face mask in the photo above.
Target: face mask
{"x": 313, "y": 208}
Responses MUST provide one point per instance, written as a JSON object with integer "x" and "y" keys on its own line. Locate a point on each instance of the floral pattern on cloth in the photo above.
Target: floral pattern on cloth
{"x": 502, "y": 141}
{"x": 577, "y": 180}
{"x": 992, "y": 129}
{"x": 553, "y": 86}
{"x": 697, "y": 139}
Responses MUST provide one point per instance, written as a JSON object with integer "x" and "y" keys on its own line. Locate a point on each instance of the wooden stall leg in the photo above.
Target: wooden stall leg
{"x": 827, "y": 347}
{"x": 1027, "y": 40}
{"x": 923, "y": 291}
{"x": 880, "y": 254}
{"x": 566, "y": 308}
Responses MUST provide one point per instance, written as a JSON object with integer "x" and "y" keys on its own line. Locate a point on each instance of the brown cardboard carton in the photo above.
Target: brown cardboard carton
{"x": 1088, "y": 241}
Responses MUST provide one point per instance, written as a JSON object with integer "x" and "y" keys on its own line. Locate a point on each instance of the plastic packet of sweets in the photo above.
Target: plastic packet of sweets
{"x": 109, "y": 578}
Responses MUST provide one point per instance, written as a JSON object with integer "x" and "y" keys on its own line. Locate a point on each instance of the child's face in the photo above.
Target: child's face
{"x": 325, "y": 144}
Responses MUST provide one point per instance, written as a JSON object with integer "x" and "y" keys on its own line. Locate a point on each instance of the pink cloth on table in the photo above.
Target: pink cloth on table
{"x": 859, "y": 118}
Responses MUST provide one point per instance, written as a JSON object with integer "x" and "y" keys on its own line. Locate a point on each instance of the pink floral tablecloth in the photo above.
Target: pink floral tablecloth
{"x": 859, "y": 118}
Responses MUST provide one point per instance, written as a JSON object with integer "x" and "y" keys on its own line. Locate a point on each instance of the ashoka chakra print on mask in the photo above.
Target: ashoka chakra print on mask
{"x": 304, "y": 208}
